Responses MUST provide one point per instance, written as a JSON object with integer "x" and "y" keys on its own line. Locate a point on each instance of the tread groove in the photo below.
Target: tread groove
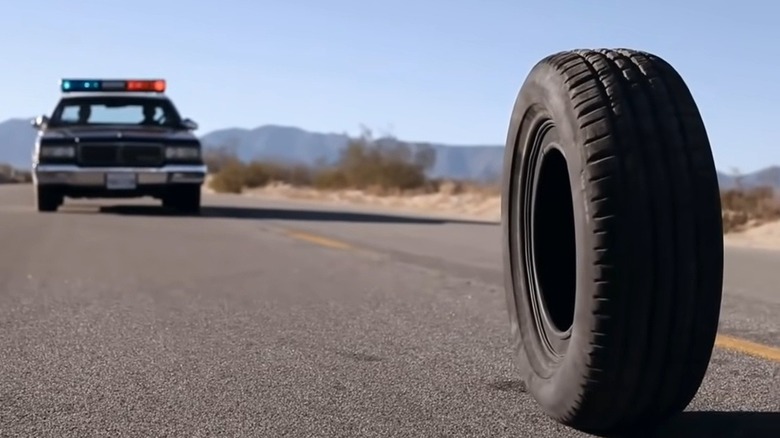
{"x": 656, "y": 330}
{"x": 707, "y": 259}
{"x": 636, "y": 151}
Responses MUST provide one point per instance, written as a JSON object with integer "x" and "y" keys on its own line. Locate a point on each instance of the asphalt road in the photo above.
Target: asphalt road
{"x": 281, "y": 319}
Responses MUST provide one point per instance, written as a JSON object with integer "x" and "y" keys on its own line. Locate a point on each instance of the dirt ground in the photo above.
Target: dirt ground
{"x": 467, "y": 205}
{"x": 474, "y": 206}
{"x": 766, "y": 236}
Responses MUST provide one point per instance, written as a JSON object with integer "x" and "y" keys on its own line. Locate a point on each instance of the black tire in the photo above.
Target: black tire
{"x": 168, "y": 201}
{"x": 611, "y": 215}
{"x": 47, "y": 199}
{"x": 185, "y": 199}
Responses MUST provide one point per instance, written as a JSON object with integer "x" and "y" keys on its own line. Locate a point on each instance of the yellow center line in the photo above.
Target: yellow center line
{"x": 319, "y": 240}
{"x": 748, "y": 347}
{"x": 722, "y": 341}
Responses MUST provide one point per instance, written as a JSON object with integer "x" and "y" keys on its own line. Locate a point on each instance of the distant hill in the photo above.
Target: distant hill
{"x": 295, "y": 145}
{"x": 289, "y": 144}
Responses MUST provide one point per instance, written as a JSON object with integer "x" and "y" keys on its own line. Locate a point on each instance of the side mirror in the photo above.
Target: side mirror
{"x": 40, "y": 121}
{"x": 189, "y": 124}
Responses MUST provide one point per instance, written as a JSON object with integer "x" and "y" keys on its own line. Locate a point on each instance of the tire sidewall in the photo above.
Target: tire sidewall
{"x": 545, "y": 91}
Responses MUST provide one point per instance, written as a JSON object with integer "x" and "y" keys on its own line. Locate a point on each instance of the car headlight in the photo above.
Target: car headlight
{"x": 182, "y": 153}
{"x": 58, "y": 151}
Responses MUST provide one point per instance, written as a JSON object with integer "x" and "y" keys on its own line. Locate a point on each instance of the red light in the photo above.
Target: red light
{"x": 156, "y": 85}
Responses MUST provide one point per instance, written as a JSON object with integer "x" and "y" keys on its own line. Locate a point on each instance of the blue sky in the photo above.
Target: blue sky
{"x": 435, "y": 70}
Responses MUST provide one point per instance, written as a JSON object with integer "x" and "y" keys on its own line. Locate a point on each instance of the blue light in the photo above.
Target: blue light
{"x": 69, "y": 85}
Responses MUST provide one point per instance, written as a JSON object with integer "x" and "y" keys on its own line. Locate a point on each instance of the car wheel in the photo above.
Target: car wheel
{"x": 185, "y": 199}
{"x": 47, "y": 199}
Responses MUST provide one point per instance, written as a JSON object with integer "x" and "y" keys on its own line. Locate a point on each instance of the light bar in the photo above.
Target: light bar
{"x": 121, "y": 85}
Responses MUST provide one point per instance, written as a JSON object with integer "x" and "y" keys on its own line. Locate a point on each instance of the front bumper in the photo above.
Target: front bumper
{"x": 65, "y": 175}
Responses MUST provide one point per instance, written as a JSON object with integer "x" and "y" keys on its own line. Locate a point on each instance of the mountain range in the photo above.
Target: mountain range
{"x": 295, "y": 145}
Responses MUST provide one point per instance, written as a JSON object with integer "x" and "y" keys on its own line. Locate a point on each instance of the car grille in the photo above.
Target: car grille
{"x": 120, "y": 155}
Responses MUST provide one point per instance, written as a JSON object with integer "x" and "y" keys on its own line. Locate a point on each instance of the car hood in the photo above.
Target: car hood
{"x": 106, "y": 132}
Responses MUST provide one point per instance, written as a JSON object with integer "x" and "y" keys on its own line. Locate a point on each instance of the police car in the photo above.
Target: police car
{"x": 117, "y": 139}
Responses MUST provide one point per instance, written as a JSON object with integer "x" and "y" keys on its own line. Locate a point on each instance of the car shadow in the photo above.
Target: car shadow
{"x": 256, "y": 213}
{"x": 718, "y": 424}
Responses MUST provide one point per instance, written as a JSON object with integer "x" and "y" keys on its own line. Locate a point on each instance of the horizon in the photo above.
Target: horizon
{"x": 437, "y": 72}
{"x": 726, "y": 172}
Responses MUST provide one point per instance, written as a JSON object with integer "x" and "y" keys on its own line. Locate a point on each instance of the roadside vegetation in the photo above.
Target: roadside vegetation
{"x": 379, "y": 167}
{"x": 11, "y": 175}
{"x": 745, "y": 208}
{"x": 389, "y": 167}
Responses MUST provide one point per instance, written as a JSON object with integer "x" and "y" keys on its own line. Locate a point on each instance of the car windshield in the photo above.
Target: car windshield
{"x": 115, "y": 110}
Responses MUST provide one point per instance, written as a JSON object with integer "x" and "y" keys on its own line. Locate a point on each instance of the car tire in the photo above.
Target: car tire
{"x": 612, "y": 239}
{"x": 185, "y": 199}
{"x": 47, "y": 199}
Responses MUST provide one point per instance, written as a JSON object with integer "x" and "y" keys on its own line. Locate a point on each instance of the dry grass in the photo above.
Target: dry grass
{"x": 742, "y": 209}
{"x": 748, "y": 208}
{"x": 11, "y": 175}
{"x": 386, "y": 166}
{"x": 389, "y": 174}
{"x": 468, "y": 204}
{"x": 395, "y": 176}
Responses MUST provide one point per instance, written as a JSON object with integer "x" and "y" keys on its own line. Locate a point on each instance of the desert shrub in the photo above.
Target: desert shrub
{"x": 747, "y": 207}
{"x": 331, "y": 179}
{"x": 218, "y": 157}
{"x": 391, "y": 167}
{"x": 387, "y": 166}
{"x": 230, "y": 178}
{"x": 11, "y": 175}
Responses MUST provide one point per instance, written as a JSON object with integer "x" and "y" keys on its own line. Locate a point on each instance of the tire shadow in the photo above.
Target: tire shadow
{"x": 718, "y": 424}
{"x": 251, "y": 213}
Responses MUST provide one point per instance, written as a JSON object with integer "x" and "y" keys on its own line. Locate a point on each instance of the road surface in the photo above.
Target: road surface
{"x": 269, "y": 318}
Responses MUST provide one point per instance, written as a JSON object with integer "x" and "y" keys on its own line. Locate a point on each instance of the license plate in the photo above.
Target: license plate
{"x": 120, "y": 181}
